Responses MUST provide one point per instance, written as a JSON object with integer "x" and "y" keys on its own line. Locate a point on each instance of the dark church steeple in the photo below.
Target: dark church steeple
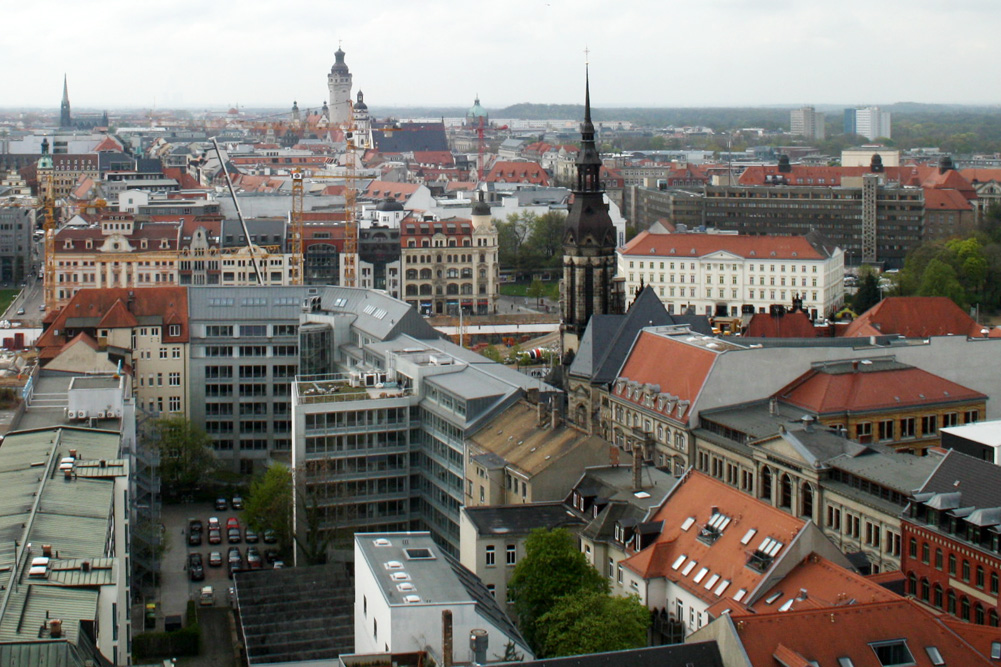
{"x": 589, "y": 240}
{"x": 65, "y": 120}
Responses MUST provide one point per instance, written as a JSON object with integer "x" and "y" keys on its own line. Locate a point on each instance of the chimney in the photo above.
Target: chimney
{"x": 773, "y": 406}
{"x": 47, "y": 550}
{"x": 55, "y": 628}
{"x": 554, "y": 419}
{"x": 478, "y": 646}
{"x": 446, "y": 638}
{"x": 638, "y": 468}
{"x": 807, "y": 423}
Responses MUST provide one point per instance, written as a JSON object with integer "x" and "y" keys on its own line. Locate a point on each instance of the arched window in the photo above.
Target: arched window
{"x": 411, "y": 274}
{"x": 467, "y": 288}
{"x": 452, "y": 289}
{"x": 425, "y": 274}
{"x": 938, "y": 559}
{"x": 951, "y": 602}
{"x": 978, "y": 614}
{"x": 411, "y": 290}
{"x": 992, "y": 618}
{"x": 785, "y": 491}
{"x": 937, "y": 595}
{"x": 964, "y": 608}
{"x": 425, "y": 290}
{"x": 924, "y": 589}
{"x": 806, "y": 494}
{"x": 912, "y": 583}
{"x": 766, "y": 483}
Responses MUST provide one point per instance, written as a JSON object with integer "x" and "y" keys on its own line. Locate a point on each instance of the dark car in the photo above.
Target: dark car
{"x": 221, "y": 504}
{"x": 235, "y": 560}
{"x": 270, "y": 537}
{"x": 233, "y": 535}
{"x": 215, "y": 536}
{"x": 270, "y": 556}
{"x": 196, "y": 571}
{"x": 194, "y": 532}
{"x": 250, "y": 536}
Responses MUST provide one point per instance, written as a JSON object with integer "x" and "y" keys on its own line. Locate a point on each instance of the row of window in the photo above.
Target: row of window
{"x": 946, "y": 599}
{"x": 511, "y": 555}
{"x": 722, "y": 267}
{"x": 980, "y": 575}
{"x": 250, "y": 330}
{"x": 250, "y": 350}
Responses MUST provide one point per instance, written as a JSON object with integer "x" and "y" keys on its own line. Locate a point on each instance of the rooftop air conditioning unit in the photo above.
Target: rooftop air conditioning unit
{"x": 100, "y": 414}
{"x": 71, "y": 414}
{"x": 82, "y": 414}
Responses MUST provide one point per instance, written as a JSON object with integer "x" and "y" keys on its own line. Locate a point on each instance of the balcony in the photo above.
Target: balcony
{"x": 339, "y": 388}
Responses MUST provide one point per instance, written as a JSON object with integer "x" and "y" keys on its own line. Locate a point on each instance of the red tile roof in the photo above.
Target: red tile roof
{"x": 790, "y": 325}
{"x": 937, "y": 199}
{"x": 824, "y": 392}
{"x": 682, "y": 371}
{"x": 517, "y": 172}
{"x": 169, "y": 303}
{"x": 118, "y": 317}
{"x": 725, "y": 559}
{"x": 915, "y": 317}
{"x": 108, "y": 144}
{"x": 382, "y": 189}
{"x": 825, "y": 635}
{"x": 438, "y": 158}
{"x": 981, "y": 175}
{"x": 698, "y": 245}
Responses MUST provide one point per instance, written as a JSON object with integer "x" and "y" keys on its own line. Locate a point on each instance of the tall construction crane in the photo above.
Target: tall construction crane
{"x": 47, "y": 191}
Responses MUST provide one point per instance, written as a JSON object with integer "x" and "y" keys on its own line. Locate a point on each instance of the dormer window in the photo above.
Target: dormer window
{"x": 143, "y": 244}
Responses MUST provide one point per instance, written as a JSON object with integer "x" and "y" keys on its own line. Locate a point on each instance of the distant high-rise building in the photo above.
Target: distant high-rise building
{"x": 869, "y": 122}
{"x": 807, "y": 123}
{"x": 65, "y": 120}
{"x": 339, "y": 83}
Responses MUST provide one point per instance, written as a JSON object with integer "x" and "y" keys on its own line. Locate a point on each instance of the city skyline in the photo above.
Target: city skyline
{"x": 723, "y": 54}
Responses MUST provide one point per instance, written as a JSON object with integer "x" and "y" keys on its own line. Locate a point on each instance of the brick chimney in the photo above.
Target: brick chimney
{"x": 638, "y": 468}
{"x": 446, "y": 638}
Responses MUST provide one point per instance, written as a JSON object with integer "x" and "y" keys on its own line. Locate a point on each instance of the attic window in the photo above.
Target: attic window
{"x": 934, "y": 655}
{"x": 845, "y": 662}
{"x": 893, "y": 653}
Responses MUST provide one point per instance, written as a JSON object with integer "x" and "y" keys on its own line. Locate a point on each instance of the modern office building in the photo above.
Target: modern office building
{"x": 807, "y": 123}
{"x": 381, "y": 410}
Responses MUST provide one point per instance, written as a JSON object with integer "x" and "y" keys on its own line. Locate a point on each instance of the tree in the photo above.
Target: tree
{"x": 545, "y": 239}
{"x": 594, "y": 622}
{"x": 185, "y": 454}
{"x": 268, "y": 505}
{"x": 939, "y": 279}
{"x": 552, "y": 568}
{"x": 536, "y": 290}
{"x": 867, "y": 295}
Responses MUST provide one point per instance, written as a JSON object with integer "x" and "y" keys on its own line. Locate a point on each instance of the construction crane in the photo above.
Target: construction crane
{"x": 239, "y": 214}
{"x": 47, "y": 190}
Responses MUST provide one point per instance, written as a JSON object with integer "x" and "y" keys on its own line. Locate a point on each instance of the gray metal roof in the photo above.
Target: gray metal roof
{"x": 900, "y": 472}
{"x": 39, "y": 506}
{"x": 520, "y": 519}
{"x": 616, "y": 483}
{"x": 232, "y": 304}
{"x": 978, "y": 482}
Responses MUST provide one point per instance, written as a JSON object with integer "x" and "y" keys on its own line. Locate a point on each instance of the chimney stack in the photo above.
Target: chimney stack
{"x": 446, "y": 638}
{"x": 773, "y": 406}
{"x": 554, "y": 420}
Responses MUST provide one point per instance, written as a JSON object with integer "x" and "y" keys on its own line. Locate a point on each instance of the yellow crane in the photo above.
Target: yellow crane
{"x": 47, "y": 190}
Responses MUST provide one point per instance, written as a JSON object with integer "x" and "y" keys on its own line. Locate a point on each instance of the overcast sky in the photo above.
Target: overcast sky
{"x": 214, "y": 54}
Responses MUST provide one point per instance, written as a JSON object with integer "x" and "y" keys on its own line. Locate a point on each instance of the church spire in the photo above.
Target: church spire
{"x": 588, "y": 161}
{"x": 65, "y": 120}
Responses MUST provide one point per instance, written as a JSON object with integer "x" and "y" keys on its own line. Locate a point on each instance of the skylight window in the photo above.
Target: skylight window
{"x": 689, "y": 567}
{"x": 722, "y": 587}
{"x": 688, "y": 523}
{"x": 419, "y": 554}
{"x": 677, "y": 563}
{"x": 748, "y": 536}
{"x": 934, "y": 655}
{"x": 893, "y": 653}
{"x": 712, "y": 581}
{"x": 773, "y": 597}
{"x": 739, "y": 595}
{"x": 787, "y": 605}
{"x": 701, "y": 575}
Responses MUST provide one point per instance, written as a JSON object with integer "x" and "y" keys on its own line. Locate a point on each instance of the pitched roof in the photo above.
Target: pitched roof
{"x": 826, "y": 635}
{"x": 979, "y": 175}
{"x": 937, "y": 199}
{"x": 817, "y": 583}
{"x": 682, "y": 378}
{"x": 796, "y": 324}
{"x": 517, "y": 172}
{"x": 976, "y": 482}
{"x": 698, "y": 245}
{"x": 915, "y": 317}
{"x": 382, "y": 189}
{"x": 117, "y": 317}
{"x": 713, "y": 569}
{"x": 872, "y": 384}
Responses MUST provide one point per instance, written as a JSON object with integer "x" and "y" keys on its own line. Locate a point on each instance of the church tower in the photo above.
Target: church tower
{"x": 588, "y": 243}
{"x": 65, "y": 120}
{"x": 339, "y": 83}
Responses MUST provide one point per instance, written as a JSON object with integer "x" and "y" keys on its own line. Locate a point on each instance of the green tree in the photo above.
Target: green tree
{"x": 939, "y": 279}
{"x": 867, "y": 295}
{"x": 545, "y": 239}
{"x": 185, "y": 454}
{"x": 552, "y": 568}
{"x": 536, "y": 290}
{"x": 589, "y": 621}
{"x": 269, "y": 503}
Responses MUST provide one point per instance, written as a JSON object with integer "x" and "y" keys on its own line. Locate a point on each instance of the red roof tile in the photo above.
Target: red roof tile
{"x": 117, "y": 317}
{"x": 915, "y": 317}
{"x": 698, "y": 245}
{"x": 681, "y": 371}
{"x": 937, "y": 199}
{"x": 790, "y": 325}
{"x": 517, "y": 172}
{"x": 725, "y": 559}
{"x": 855, "y": 391}
{"x": 825, "y": 635}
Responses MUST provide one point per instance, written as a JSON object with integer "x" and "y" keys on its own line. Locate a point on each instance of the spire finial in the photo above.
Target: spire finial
{"x": 587, "y": 87}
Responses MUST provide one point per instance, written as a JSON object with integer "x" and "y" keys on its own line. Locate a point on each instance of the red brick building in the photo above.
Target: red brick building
{"x": 952, "y": 540}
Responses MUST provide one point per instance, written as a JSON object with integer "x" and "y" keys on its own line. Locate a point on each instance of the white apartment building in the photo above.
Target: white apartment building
{"x": 725, "y": 275}
{"x": 807, "y": 123}
{"x": 872, "y": 122}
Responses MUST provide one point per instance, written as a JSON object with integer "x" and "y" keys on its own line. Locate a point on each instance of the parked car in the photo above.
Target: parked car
{"x": 214, "y": 522}
{"x": 215, "y": 536}
{"x": 194, "y": 532}
{"x": 221, "y": 504}
{"x": 234, "y": 555}
{"x": 233, "y": 535}
{"x": 206, "y": 597}
{"x": 270, "y": 556}
{"x": 215, "y": 559}
{"x": 20, "y": 311}
{"x": 196, "y": 571}
{"x": 232, "y": 522}
{"x": 250, "y": 536}
{"x": 195, "y": 525}
{"x": 270, "y": 537}
{"x": 236, "y": 503}
{"x": 254, "y": 560}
